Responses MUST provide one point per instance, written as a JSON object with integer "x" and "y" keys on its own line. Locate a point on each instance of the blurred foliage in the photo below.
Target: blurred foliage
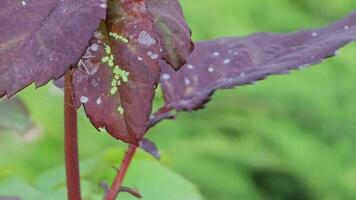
{"x": 14, "y": 116}
{"x": 288, "y": 137}
{"x": 50, "y": 184}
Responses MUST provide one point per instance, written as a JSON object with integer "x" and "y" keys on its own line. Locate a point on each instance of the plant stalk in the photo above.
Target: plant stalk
{"x": 117, "y": 183}
{"x": 71, "y": 141}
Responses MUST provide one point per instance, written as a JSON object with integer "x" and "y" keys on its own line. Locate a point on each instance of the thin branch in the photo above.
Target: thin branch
{"x": 161, "y": 114}
{"x": 116, "y": 186}
{"x": 131, "y": 191}
{"x": 71, "y": 141}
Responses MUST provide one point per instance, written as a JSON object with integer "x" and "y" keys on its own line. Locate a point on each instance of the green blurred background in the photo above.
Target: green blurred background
{"x": 288, "y": 137}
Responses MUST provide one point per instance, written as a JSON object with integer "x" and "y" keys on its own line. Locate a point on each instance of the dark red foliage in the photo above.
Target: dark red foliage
{"x": 117, "y": 93}
{"x": 40, "y": 39}
{"x": 175, "y": 35}
{"x": 229, "y": 62}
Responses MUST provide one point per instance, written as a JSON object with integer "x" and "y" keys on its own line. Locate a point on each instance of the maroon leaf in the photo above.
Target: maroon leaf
{"x": 117, "y": 76}
{"x": 228, "y": 62}
{"x": 175, "y": 35}
{"x": 40, "y": 39}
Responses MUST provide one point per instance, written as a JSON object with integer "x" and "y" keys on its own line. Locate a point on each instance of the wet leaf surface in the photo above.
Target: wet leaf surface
{"x": 40, "y": 39}
{"x": 230, "y": 62}
{"x": 117, "y": 76}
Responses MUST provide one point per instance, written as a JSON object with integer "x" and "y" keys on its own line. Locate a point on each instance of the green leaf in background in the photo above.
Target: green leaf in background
{"x": 148, "y": 176}
{"x": 14, "y": 116}
{"x": 19, "y": 187}
{"x": 151, "y": 178}
{"x": 156, "y": 182}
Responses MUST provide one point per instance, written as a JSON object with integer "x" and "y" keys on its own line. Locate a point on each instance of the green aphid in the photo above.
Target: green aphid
{"x": 123, "y": 39}
{"x": 114, "y": 83}
{"x": 117, "y": 70}
{"x": 120, "y": 110}
{"x": 125, "y": 73}
{"x": 107, "y": 49}
{"x": 119, "y": 37}
{"x": 111, "y": 63}
{"x": 114, "y": 35}
{"x": 125, "y": 76}
{"x": 105, "y": 59}
{"x": 113, "y": 90}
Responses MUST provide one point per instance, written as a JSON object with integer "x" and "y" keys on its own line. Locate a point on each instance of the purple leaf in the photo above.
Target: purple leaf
{"x": 175, "y": 35}
{"x": 229, "y": 62}
{"x": 40, "y": 39}
{"x": 150, "y": 147}
{"x": 117, "y": 76}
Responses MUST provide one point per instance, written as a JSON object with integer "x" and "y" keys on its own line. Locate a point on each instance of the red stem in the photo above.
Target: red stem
{"x": 71, "y": 141}
{"x": 116, "y": 185}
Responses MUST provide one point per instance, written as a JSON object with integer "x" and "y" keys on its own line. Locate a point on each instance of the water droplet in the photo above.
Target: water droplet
{"x": 94, "y": 47}
{"x": 186, "y": 81}
{"x": 94, "y": 83}
{"x": 166, "y": 76}
{"x": 84, "y": 99}
{"x": 227, "y": 61}
{"x": 98, "y": 101}
{"x": 152, "y": 55}
{"x": 146, "y": 39}
{"x": 103, "y": 5}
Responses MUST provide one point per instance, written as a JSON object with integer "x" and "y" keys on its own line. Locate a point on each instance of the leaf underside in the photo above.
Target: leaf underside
{"x": 34, "y": 43}
{"x": 117, "y": 76}
{"x": 229, "y": 62}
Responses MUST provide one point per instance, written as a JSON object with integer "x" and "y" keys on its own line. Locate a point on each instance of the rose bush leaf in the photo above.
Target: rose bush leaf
{"x": 39, "y": 40}
{"x": 229, "y": 62}
{"x": 172, "y": 28}
{"x": 117, "y": 76}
